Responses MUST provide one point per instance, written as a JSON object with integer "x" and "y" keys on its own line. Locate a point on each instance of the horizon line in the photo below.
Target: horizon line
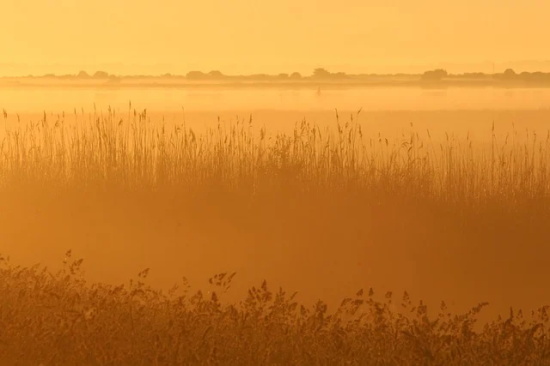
{"x": 198, "y": 74}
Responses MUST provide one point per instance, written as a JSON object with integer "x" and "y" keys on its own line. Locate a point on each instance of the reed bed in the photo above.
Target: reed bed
{"x": 108, "y": 151}
{"x": 56, "y": 318}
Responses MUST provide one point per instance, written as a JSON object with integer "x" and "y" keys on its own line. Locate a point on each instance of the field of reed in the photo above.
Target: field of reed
{"x": 321, "y": 211}
{"x": 110, "y": 151}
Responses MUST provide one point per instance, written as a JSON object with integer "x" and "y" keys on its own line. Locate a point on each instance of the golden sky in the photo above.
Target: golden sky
{"x": 249, "y": 36}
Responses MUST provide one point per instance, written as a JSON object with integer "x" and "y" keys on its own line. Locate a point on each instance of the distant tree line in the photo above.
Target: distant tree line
{"x": 510, "y": 74}
{"x": 216, "y": 75}
{"x": 322, "y": 74}
{"x": 507, "y": 75}
{"x": 97, "y": 75}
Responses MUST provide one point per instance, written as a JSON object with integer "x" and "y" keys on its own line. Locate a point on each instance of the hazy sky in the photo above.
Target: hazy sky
{"x": 247, "y": 36}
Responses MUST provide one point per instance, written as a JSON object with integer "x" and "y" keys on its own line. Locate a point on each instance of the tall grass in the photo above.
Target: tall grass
{"x": 133, "y": 152}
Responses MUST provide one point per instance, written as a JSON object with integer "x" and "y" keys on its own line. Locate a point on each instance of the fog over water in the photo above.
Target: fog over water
{"x": 38, "y": 99}
{"x": 390, "y": 109}
{"x": 233, "y": 245}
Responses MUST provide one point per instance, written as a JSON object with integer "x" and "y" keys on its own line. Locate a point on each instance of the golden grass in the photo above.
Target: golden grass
{"x": 57, "y": 318}
{"x": 442, "y": 216}
{"x": 132, "y": 152}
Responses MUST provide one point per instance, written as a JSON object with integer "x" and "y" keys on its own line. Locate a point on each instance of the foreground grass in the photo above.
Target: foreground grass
{"x": 58, "y": 319}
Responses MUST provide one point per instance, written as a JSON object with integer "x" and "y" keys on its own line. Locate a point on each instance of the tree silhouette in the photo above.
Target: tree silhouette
{"x": 434, "y": 75}
{"x": 215, "y": 74}
{"x": 196, "y": 75}
{"x": 101, "y": 75}
{"x": 509, "y": 74}
{"x": 320, "y": 73}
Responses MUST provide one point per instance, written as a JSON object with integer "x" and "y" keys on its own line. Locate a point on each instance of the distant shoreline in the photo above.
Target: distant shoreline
{"x": 320, "y": 78}
{"x": 161, "y": 82}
